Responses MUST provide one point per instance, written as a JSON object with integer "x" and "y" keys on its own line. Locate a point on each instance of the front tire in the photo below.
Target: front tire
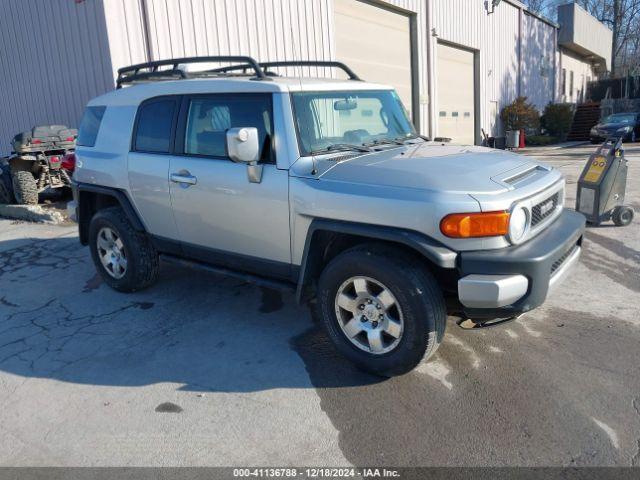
{"x": 125, "y": 258}
{"x": 25, "y": 187}
{"x": 381, "y": 309}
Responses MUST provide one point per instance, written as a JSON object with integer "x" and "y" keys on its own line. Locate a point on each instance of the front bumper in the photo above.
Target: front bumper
{"x": 507, "y": 282}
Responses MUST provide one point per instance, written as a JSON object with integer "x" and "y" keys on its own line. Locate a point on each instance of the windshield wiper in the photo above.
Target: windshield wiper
{"x": 343, "y": 146}
{"x": 385, "y": 141}
{"x": 414, "y": 137}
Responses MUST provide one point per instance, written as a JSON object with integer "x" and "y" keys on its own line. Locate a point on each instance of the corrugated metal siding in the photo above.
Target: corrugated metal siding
{"x": 54, "y": 58}
{"x": 263, "y": 29}
{"x": 539, "y": 62}
{"x": 495, "y": 38}
{"x": 125, "y": 31}
{"x": 102, "y": 36}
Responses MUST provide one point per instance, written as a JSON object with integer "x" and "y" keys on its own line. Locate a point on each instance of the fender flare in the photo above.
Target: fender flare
{"x": 120, "y": 196}
{"x": 433, "y": 250}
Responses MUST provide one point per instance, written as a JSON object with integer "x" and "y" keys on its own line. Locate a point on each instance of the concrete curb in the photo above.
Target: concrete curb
{"x": 551, "y": 148}
{"x": 30, "y": 213}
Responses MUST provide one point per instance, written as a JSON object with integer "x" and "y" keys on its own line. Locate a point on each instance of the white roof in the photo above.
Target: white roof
{"x": 135, "y": 94}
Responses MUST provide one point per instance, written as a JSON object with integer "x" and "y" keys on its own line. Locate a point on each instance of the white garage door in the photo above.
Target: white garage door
{"x": 376, "y": 44}
{"x": 456, "y": 101}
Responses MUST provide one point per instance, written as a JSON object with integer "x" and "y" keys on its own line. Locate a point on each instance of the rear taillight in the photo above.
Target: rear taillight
{"x": 36, "y": 141}
{"x": 69, "y": 162}
{"x": 69, "y": 139}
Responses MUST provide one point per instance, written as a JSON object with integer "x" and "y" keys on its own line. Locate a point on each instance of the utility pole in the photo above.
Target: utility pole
{"x": 616, "y": 34}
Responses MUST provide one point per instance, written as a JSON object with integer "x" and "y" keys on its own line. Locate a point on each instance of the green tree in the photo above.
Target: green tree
{"x": 556, "y": 119}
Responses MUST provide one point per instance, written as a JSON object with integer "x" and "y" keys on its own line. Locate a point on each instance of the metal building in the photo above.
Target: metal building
{"x": 455, "y": 63}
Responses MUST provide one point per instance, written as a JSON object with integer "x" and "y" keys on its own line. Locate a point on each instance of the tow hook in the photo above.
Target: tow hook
{"x": 471, "y": 324}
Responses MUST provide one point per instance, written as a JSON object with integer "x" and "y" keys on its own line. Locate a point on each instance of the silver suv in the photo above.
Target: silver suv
{"x": 322, "y": 186}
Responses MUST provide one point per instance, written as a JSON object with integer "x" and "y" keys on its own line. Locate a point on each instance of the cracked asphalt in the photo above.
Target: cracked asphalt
{"x": 206, "y": 370}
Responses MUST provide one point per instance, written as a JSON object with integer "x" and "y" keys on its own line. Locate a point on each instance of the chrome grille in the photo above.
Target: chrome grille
{"x": 538, "y": 213}
{"x": 558, "y": 263}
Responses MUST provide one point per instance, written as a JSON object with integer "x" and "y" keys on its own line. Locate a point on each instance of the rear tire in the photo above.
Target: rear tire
{"x": 141, "y": 264}
{"x": 622, "y": 216}
{"x": 25, "y": 188}
{"x": 419, "y": 311}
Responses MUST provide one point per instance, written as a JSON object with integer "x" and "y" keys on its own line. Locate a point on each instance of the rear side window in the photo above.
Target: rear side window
{"x": 90, "y": 125}
{"x": 155, "y": 126}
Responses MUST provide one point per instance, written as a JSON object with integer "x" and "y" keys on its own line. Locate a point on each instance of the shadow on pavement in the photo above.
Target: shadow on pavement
{"x": 206, "y": 332}
{"x": 524, "y": 395}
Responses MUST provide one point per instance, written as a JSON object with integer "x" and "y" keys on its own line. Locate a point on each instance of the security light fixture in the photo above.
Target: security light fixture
{"x": 493, "y": 3}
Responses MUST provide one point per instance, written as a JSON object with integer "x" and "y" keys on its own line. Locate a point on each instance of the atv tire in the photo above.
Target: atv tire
{"x": 6, "y": 188}
{"x": 25, "y": 188}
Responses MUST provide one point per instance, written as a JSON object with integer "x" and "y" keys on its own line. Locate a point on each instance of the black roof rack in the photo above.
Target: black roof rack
{"x": 312, "y": 63}
{"x": 150, "y": 70}
{"x": 294, "y": 63}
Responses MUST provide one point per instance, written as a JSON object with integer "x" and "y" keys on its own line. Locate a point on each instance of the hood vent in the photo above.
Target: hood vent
{"x": 525, "y": 176}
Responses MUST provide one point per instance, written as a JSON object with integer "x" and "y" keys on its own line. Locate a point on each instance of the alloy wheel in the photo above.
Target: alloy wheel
{"x": 111, "y": 252}
{"x": 369, "y": 315}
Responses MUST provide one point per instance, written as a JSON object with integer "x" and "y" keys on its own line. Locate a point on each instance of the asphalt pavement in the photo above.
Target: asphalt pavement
{"x": 206, "y": 370}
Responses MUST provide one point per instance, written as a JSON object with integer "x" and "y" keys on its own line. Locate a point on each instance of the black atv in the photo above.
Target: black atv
{"x": 42, "y": 159}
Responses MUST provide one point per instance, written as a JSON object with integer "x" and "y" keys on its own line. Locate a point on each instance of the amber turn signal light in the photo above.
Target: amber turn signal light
{"x": 480, "y": 224}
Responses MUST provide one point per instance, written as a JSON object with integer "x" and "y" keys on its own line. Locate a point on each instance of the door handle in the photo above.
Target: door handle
{"x": 185, "y": 178}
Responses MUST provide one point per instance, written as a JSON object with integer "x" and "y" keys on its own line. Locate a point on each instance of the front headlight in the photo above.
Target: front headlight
{"x": 624, "y": 130}
{"x": 518, "y": 224}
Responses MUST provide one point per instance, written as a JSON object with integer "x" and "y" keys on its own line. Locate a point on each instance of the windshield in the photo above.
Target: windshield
{"x": 620, "y": 118}
{"x": 343, "y": 120}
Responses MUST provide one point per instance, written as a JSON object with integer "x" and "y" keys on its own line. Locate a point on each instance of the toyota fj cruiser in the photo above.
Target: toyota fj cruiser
{"x": 321, "y": 185}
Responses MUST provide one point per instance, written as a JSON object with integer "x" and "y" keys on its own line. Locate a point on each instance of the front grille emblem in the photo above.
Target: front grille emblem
{"x": 546, "y": 207}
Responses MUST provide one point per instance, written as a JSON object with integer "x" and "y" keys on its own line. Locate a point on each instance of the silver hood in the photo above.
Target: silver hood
{"x": 428, "y": 166}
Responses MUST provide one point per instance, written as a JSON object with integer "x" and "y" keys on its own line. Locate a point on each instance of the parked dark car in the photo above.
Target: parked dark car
{"x": 626, "y": 125}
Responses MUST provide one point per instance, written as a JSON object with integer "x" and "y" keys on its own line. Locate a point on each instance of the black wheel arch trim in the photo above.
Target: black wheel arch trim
{"x": 119, "y": 195}
{"x": 431, "y": 249}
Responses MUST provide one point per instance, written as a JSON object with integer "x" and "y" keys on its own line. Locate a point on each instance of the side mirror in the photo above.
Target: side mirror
{"x": 243, "y": 146}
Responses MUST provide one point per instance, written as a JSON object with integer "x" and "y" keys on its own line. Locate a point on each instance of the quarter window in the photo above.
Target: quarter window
{"x": 154, "y": 127}
{"x": 210, "y": 117}
{"x": 90, "y": 125}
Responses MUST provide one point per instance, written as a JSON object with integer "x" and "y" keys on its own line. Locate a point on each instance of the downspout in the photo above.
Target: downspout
{"x": 556, "y": 72}
{"x": 430, "y": 86}
{"x": 144, "y": 10}
{"x": 520, "y": 28}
